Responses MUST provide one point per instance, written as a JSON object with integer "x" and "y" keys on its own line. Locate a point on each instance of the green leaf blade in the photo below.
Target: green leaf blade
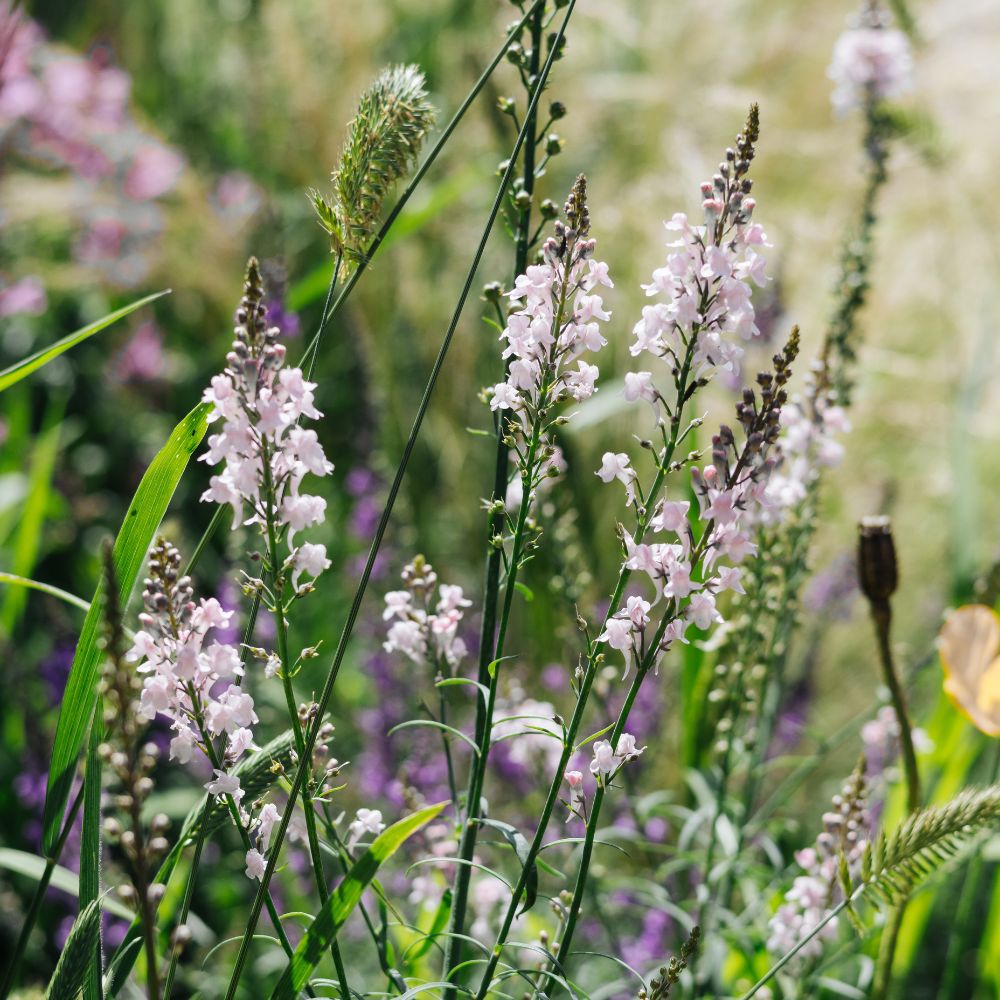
{"x": 26, "y": 366}
{"x": 141, "y": 522}
{"x": 324, "y": 929}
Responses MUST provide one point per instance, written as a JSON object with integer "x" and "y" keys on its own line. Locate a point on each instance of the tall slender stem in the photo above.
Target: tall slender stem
{"x": 594, "y": 662}
{"x": 359, "y": 594}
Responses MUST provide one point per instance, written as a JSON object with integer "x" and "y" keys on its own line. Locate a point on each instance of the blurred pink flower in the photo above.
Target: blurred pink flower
{"x": 26, "y": 296}
{"x": 101, "y": 241}
{"x": 142, "y": 359}
{"x": 154, "y": 172}
{"x": 236, "y": 196}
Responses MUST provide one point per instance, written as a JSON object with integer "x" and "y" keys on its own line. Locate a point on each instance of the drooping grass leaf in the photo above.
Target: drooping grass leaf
{"x": 23, "y": 368}
{"x": 13, "y": 580}
{"x": 324, "y": 929}
{"x": 78, "y": 954}
{"x": 143, "y": 518}
{"x": 522, "y": 849}
{"x": 32, "y": 866}
{"x": 28, "y": 538}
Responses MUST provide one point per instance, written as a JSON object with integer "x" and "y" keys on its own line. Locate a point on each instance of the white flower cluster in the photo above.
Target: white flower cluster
{"x": 705, "y": 310}
{"x": 808, "y": 442}
{"x": 846, "y": 830}
{"x": 558, "y": 322}
{"x": 266, "y": 453}
{"x": 706, "y": 285}
{"x": 419, "y": 632}
{"x": 366, "y": 822}
{"x": 606, "y": 762}
{"x": 870, "y": 62}
{"x": 185, "y": 674}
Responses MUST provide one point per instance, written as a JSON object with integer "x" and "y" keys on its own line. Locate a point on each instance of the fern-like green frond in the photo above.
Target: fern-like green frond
{"x": 897, "y": 863}
{"x": 383, "y": 140}
{"x": 77, "y": 955}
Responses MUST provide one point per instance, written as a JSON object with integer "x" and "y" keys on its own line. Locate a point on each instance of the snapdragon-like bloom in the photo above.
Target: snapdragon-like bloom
{"x": 731, "y": 494}
{"x": 188, "y": 679}
{"x": 366, "y": 822}
{"x": 847, "y": 828}
{"x": 703, "y": 309}
{"x": 422, "y": 629}
{"x": 871, "y": 61}
{"x": 529, "y": 729}
{"x": 266, "y": 454}
{"x": 558, "y": 321}
{"x": 608, "y": 760}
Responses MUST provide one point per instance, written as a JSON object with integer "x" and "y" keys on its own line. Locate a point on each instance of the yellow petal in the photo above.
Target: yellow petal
{"x": 969, "y": 644}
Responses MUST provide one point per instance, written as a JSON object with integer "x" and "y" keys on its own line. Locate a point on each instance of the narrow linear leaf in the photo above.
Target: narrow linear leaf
{"x": 23, "y": 368}
{"x": 13, "y": 580}
{"x": 438, "y": 926}
{"x": 143, "y": 518}
{"x": 32, "y": 866}
{"x": 32, "y": 521}
{"x": 522, "y": 849}
{"x": 90, "y": 852}
{"x": 316, "y": 941}
{"x": 78, "y": 952}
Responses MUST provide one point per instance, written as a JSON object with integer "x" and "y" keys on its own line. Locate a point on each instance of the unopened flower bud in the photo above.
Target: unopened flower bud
{"x": 877, "y": 571}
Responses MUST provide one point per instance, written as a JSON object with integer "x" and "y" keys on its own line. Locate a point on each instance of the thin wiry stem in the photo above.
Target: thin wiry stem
{"x": 359, "y": 594}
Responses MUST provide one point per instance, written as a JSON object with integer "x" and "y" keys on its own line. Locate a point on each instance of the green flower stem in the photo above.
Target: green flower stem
{"x": 34, "y": 908}
{"x": 281, "y": 627}
{"x": 566, "y": 939}
{"x": 594, "y": 661}
{"x": 484, "y": 727}
{"x": 355, "y": 607}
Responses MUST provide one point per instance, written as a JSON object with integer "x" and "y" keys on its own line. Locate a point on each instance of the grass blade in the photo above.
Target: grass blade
{"x": 32, "y": 866}
{"x": 80, "y": 697}
{"x": 324, "y": 929}
{"x": 23, "y": 368}
{"x": 13, "y": 580}
{"x": 29, "y": 533}
{"x": 90, "y": 851}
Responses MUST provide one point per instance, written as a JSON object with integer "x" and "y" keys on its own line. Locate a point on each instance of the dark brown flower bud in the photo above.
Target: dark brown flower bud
{"x": 877, "y": 572}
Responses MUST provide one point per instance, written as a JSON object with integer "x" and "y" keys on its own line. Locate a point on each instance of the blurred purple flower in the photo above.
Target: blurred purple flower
{"x": 142, "y": 358}
{"x": 26, "y": 296}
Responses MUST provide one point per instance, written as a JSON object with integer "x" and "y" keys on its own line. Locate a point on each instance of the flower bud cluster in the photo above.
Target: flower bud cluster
{"x": 421, "y": 629}
{"x": 266, "y": 453}
{"x": 191, "y": 681}
{"x": 557, "y": 322}
{"x": 704, "y": 309}
{"x": 871, "y": 61}
{"x": 730, "y": 493}
{"x": 846, "y": 829}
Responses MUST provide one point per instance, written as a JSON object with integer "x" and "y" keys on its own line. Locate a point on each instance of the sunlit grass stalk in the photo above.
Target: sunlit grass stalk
{"x": 453, "y": 945}
{"x": 359, "y": 594}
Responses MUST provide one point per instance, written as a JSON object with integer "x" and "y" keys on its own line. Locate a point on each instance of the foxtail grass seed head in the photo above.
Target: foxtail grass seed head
{"x": 394, "y": 116}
